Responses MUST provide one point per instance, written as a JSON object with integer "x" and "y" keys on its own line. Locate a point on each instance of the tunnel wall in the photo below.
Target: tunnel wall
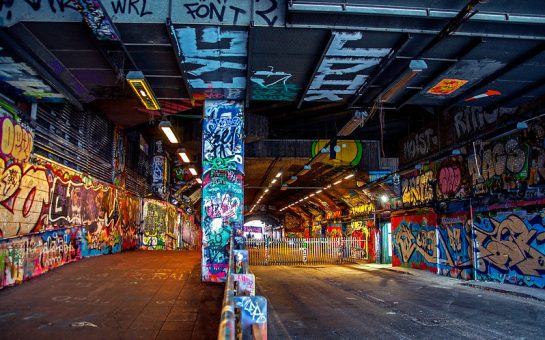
{"x": 51, "y": 215}
{"x": 166, "y": 227}
{"x": 502, "y": 181}
{"x": 414, "y": 238}
{"x": 366, "y": 233}
{"x": 511, "y": 246}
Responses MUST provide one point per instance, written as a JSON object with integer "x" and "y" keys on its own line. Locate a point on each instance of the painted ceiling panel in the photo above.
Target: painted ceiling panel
{"x": 346, "y": 66}
{"x": 215, "y": 60}
{"x": 282, "y": 61}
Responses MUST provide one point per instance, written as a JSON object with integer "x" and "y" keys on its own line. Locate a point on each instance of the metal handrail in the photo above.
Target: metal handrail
{"x": 227, "y": 328}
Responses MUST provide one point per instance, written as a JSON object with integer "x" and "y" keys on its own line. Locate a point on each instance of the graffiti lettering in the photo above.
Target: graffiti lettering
{"x": 17, "y": 141}
{"x": 134, "y": 6}
{"x": 202, "y": 63}
{"x": 212, "y": 11}
{"x": 25, "y": 80}
{"x": 507, "y": 162}
{"x": 340, "y": 72}
{"x": 512, "y": 249}
{"x": 473, "y": 119}
{"x": 420, "y": 145}
{"x": 363, "y": 209}
{"x": 417, "y": 189}
{"x": 450, "y": 180}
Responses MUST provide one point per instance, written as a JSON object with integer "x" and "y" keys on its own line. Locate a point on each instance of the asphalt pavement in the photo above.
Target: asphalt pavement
{"x": 131, "y": 295}
{"x": 368, "y": 302}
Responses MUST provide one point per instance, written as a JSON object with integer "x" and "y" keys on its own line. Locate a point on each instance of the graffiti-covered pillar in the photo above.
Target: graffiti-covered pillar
{"x": 223, "y": 179}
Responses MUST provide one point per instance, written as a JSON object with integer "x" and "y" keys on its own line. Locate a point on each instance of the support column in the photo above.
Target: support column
{"x": 223, "y": 184}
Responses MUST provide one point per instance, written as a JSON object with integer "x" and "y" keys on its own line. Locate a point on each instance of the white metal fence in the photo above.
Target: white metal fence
{"x": 306, "y": 250}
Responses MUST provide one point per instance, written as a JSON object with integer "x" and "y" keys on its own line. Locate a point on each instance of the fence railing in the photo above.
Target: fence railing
{"x": 243, "y": 315}
{"x": 291, "y": 251}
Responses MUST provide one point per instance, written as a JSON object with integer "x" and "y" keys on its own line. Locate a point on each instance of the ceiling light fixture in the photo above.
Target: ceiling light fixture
{"x": 358, "y": 118}
{"x": 140, "y": 86}
{"x": 183, "y": 155}
{"x": 193, "y": 171}
{"x": 319, "y": 191}
{"x": 306, "y": 169}
{"x": 339, "y": 181}
{"x": 273, "y": 181}
{"x": 166, "y": 126}
{"x": 267, "y": 190}
{"x": 199, "y": 180}
{"x": 415, "y": 67}
{"x": 349, "y": 176}
{"x": 278, "y": 174}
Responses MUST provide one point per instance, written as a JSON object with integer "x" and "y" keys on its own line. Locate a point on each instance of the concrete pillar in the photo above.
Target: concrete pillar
{"x": 223, "y": 181}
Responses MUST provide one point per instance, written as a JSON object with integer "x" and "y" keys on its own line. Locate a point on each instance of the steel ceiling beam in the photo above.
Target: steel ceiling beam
{"x": 380, "y": 68}
{"x": 415, "y": 12}
{"x": 460, "y": 55}
{"x": 178, "y": 55}
{"x": 316, "y": 67}
{"x": 249, "y": 66}
{"x": 517, "y": 94}
{"x": 463, "y": 15}
{"x": 521, "y": 59}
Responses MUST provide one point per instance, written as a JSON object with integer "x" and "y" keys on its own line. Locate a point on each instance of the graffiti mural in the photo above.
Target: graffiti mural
{"x": 447, "y": 86}
{"x": 155, "y": 216}
{"x": 159, "y": 170}
{"x": 211, "y": 12}
{"x": 350, "y": 152}
{"x": 416, "y": 187}
{"x": 97, "y": 19}
{"x": 345, "y": 67}
{"x": 511, "y": 247}
{"x": 252, "y": 312}
{"x": 218, "y": 70}
{"x": 24, "y": 81}
{"x": 414, "y": 239}
{"x": 366, "y": 234}
{"x": 455, "y": 248}
{"x": 419, "y": 145}
{"x": 451, "y": 179}
{"x": 273, "y": 86}
{"x": 223, "y": 176}
{"x": 499, "y": 166}
{"x": 25, "y": 257}
{"x": 118, "y": 159}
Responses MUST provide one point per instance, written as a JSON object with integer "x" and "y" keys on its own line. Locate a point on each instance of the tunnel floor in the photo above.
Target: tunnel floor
{"x": 131, "y": 295}
{"x": 361, "y": 302}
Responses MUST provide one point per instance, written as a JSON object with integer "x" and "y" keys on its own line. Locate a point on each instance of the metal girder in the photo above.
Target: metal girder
{"x": 425, "y": 13}
{"x": 178, "y": 55}
{"x": 517, "y": 94}
{"x": 521, "y": 59}
{"x": 249, "y": 67}
{"x": 381, "y": 67}
{"x": 460, "y": 55}
{"x": 316, "y": 67}
{"x": 463, "y": 15}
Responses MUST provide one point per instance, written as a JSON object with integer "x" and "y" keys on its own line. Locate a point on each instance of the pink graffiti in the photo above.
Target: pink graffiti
{"x": 450, "y": 179}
